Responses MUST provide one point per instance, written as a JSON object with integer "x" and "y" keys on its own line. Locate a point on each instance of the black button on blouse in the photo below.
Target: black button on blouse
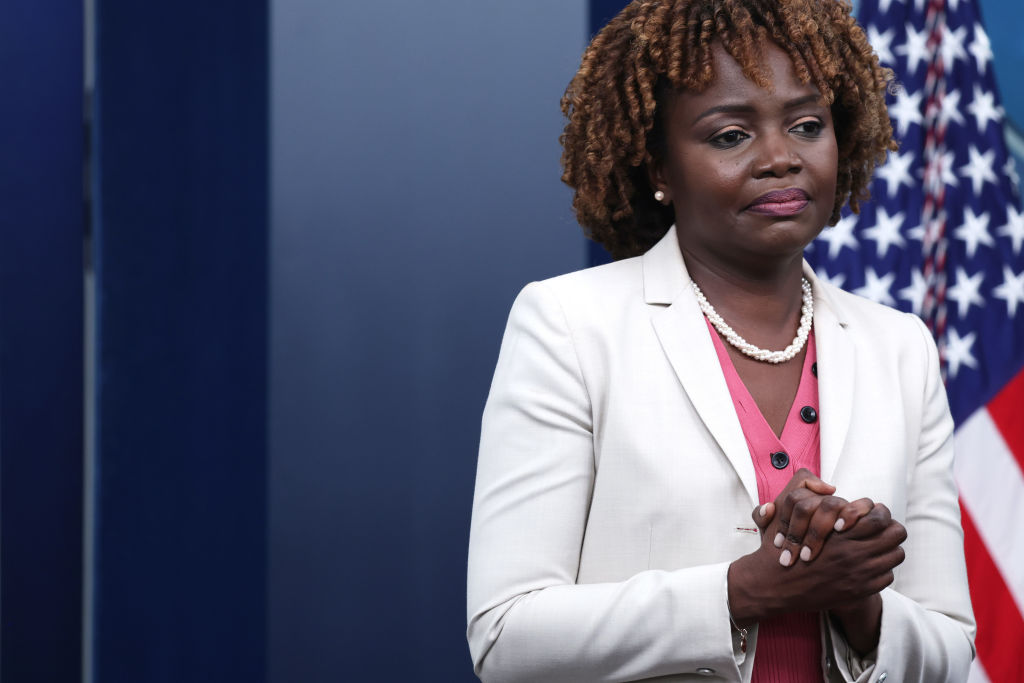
{"x": 780, "y": 460}
{"x": 808, "y": 414}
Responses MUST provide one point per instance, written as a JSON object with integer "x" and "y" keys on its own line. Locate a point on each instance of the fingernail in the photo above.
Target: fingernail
{"x": 763, "y": 510}
{"x": 840, "y": 523}
{"x": 805, "y": 554}
{"x": 785, "y": 558}
{"x": 779, "y": 540}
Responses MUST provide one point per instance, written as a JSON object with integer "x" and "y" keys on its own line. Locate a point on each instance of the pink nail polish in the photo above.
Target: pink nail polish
{"x": 786, "y": 558}
{"x": 805, "y": 554}
{"x": 779, "y": 539}
{"x": 840, "y": 523}
{"x": 763, "y": 510}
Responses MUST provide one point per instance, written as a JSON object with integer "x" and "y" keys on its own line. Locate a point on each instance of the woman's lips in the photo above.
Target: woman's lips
{"x": 780, "y": 202}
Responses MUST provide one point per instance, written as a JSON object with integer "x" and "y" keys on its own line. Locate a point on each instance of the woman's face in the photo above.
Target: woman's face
{"x": 751, "y": 173}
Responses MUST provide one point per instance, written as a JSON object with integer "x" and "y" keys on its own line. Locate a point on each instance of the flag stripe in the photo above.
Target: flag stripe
{"x": 1000, "y": 637}
{"x": 992, "y": 487}
{"x": 1005, "y": 409}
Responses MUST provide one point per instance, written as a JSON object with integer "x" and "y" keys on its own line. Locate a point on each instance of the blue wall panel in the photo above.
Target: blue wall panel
{"x": 181, "y": 235}
{"x": 41, "y": 237}
{"x": 415, "y": 185}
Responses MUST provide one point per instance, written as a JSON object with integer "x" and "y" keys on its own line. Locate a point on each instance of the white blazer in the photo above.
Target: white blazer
{"x": 614, "y": 485}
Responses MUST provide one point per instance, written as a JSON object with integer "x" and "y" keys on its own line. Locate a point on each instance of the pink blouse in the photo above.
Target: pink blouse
{"x": 788, "y": 647}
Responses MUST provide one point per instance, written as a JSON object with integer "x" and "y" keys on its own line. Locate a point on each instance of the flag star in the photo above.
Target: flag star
{"x": 916, "y": 48}
{"x": 896, "y": 172}
{"x": 882, "y": 42}
{"x": 915, "y": 291}
{"x": 1014, "y": 228}
{"x": 957, "y": 351}
{"x": 965, "y": 291}
{"x": 916, "y": 233}
{"x": 883, "y": 6}
{"x": 906, "y": 110}
{"x": 940, "y": 170}
{"x": 950, "y": 109}
{"x": 952, "y": 46}
{"x": 974, "y": 231}
{"x": 840, "y": 235}
{"x": 1011, "y": 291}
{"x": 885, "y": 232}
{"x": 980, "y": 48}
{"x": 983, "y": 108}
{"x": 836, "y": 280}
{"x": 877, "y": 288}
{"x": 979, "y": 168}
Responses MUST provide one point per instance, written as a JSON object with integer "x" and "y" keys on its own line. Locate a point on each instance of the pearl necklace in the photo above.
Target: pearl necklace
{"x": 748, "y": 349}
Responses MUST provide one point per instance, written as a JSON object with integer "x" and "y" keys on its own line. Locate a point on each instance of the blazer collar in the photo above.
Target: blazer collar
{"x": 685, "y": 339}
{"x": 836, "y": 371}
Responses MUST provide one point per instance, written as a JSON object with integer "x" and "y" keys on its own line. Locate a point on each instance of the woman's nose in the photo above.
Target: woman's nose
{"x": 776, "y": 156}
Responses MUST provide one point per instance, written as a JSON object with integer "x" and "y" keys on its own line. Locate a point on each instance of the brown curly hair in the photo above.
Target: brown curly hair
{"x": 656, "y": 47}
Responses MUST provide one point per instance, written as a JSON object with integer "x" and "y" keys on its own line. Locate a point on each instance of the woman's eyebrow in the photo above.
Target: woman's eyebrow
{"x": 742, "y": 108}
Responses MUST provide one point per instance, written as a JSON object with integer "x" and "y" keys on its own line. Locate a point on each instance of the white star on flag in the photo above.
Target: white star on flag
{"x": 896, "y": 172}
{"x": 1014, "y": 228}
{"x": 942, "y": 166}
{"x": 916, "y": 233}
{"x": 979, "y": 168}
{"x": 974, "y": 231}
{"x": 983, "y": 108}
{"x": 877, "y": 288}
{"x": 950, "y": 109}
{"x": 882, "y": 42}
{"x": 906, "y": 111}
{"x": 840, "y": 235}
{"x": 980, "y": 48}
{"x": 1011, "y": 291}
{"x": 958, "y": 351}
{"x": 916, "y": 48}
{"x": 966, "y": 291}
{"x": 952, "y": 47}
{"x": 915, "y": 291}
{"x": 885, "y": 232}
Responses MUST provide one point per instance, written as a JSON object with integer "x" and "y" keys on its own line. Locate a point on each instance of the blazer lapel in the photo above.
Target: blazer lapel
{"x": 684, "y": 337}
{"x": 836, "y": 372}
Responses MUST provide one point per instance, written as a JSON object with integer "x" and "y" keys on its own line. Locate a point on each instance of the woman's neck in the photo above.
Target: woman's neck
{"x": 762, "y": 305}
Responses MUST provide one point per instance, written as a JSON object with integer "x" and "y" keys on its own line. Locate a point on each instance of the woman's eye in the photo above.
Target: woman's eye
{"x": 809, "y": 128}
{"x": 729, "y": 138}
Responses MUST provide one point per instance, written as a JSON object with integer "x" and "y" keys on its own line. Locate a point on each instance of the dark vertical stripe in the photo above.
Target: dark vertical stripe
{"x": 41, "y": 340}
{"x": 181, "y": 251}
{"x": 601, "y": 11}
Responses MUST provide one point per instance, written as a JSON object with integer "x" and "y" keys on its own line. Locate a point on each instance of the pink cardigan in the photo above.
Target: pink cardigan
{"x": 789, "y": 647}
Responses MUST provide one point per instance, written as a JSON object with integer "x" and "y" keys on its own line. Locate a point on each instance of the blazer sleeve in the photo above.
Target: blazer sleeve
{"x": 528, "y": 619}
{"x": 928, "y": 626}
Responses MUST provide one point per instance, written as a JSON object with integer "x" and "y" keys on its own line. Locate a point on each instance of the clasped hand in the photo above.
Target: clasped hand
{"x": 819, "y": 552}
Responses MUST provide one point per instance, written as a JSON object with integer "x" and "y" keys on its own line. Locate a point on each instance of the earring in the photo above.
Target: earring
{"x": 659, "y": 196}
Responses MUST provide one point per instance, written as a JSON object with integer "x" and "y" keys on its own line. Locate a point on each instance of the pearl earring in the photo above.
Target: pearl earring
{"x": 659, "y": 196}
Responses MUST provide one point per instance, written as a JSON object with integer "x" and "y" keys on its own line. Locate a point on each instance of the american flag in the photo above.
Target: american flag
{"x": 943, "y": 237}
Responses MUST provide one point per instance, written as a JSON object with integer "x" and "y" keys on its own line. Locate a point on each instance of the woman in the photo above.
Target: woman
{"x": 642, "y": 411}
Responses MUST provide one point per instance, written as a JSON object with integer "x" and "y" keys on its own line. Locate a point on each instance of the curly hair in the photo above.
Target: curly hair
{"x": 654, "y": 48}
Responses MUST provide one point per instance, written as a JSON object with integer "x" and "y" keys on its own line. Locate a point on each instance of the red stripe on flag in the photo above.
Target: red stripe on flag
{"x": 1005, "y": 410}
{"x": 1000, "y": 639}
